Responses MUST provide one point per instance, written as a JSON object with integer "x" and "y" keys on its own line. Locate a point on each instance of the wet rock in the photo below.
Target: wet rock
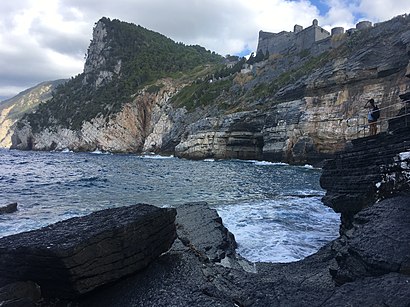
{"x": 192, "y": 274}
{"x": 22, "y": 293}
{"x": 373, "y": 168}
{"x": 75, "y": 256}
{"x": 10, "y": 208}
{"x": 378, "y": 243}
{"x": 203, "y": 230}
{"x": 389, "y": 290}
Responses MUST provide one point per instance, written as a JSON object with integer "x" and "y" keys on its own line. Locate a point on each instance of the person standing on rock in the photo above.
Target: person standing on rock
{"x": 373, "y": 116}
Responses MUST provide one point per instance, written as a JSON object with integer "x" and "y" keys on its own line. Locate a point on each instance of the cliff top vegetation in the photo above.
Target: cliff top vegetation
{"x": 132, "y": 57}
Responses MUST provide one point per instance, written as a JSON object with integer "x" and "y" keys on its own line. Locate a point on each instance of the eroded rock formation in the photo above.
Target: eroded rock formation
{"x": 75, "y": 256}
{"x": 314, "y": 106}
{"x": 127, "y": 131}
{"x": 12, "y": 110}
{"x": 202, "y": 268}
{"x": 366, "y": 266}
{"x": 378, "y": 243}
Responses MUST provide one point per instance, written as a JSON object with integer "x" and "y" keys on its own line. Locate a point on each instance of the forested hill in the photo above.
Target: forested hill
{"x": 121, "y": 58}
{"x": 155, "y": 95}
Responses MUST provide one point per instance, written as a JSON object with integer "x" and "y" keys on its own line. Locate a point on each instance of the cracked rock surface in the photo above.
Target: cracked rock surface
{"x": 202, "y": 268}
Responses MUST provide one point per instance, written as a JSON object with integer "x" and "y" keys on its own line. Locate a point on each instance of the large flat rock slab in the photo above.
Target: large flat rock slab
{"x": 75, "y": 256}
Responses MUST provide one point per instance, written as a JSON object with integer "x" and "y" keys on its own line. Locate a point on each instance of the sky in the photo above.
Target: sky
{"x": 44, "y": 40}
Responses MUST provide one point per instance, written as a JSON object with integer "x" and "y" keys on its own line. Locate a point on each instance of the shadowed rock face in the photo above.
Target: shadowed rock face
{"x": 75, "y": 256}
{"x": 202, "y": 268}
{"x": 367, "y": 266}
{"x": 378, "y": 243}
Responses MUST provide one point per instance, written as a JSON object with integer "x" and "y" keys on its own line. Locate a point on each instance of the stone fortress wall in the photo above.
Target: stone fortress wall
{"x": 313, "y": 38}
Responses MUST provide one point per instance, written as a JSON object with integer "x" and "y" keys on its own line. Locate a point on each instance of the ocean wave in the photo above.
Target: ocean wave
{"x": 156, "y": 157}
{"x": 267, "y": 163}
{"x": 282, "y": 230}
{"x": 99, "y": 152}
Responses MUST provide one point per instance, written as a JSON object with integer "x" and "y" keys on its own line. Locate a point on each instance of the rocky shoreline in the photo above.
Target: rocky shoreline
{"x": 369, "y": 265}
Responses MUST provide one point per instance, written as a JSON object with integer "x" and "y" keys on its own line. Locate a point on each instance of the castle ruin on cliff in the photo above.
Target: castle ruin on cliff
{"x": 313, "y": 38}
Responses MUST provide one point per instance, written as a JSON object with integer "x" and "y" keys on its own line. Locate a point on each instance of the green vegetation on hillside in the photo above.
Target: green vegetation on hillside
{"x": 145, "y": 56}
{"x": 265, "y": 90}
{"x": 199, "y": 94}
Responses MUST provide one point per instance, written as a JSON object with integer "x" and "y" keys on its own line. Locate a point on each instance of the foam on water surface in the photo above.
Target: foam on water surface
{"x": 274, "y": 210}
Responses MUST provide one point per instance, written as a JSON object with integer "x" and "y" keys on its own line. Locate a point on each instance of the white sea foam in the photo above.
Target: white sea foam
{"x": 209, "y": 160}
{"x": 98, "y": 152}
{"x": 156, "y": 157}
{"x": 267, "y": 163}
{"x": 274, "y": 212}
{"x": 283, "y": 230}
{"x": 404, "y": 155}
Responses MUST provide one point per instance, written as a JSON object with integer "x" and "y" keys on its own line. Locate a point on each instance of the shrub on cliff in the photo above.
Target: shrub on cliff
{"x": 144, "y": 55}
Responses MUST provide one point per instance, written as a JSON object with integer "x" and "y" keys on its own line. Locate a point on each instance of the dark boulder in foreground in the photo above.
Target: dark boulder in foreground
{"x": 75, "y": 256}
{"x": 192, "y": 274}
{"x": 378, "y": 243}
{"x": 10, "y": 208}
{"x": 19, "y": 294}
{"x": 367, "y": 266}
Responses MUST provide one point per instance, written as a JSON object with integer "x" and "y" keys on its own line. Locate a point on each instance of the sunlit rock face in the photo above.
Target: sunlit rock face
{"x": 317, "y": 108}
{"x": 13, "y": 109}
{"x": 126, "y": 131}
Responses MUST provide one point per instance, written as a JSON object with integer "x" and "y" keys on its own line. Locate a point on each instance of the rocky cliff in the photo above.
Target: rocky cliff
{"x": 13, "y": 109}
{"x": 126, "y": 131}
{"x": 296, "y": 108}
{"x": 368, "y": 267}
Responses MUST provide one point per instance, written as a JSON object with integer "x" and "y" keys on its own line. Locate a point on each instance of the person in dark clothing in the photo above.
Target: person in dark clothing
{"x": 373, "y": 116}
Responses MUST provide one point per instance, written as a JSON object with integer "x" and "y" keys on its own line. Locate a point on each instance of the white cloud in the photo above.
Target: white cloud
{"x": 381, "y": 10}
{"x": 45, "y": 40}
{"x": 9, "y": 91}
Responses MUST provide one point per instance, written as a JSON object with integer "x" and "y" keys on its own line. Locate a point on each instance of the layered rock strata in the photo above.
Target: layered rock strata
{"x": 127, "y": 131}
{"x": 236, "y": 136}
{"x": 75, "y": 256}
{"x": 202, "y": 268}
{"x": 364, "y": 267}
{"x": 372, "y": 169}
{"x": 377, "y": 244}
{"x": 310, "y": 106}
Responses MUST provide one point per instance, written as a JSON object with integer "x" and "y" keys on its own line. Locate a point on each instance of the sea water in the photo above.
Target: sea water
{"x": 273, "y": 209}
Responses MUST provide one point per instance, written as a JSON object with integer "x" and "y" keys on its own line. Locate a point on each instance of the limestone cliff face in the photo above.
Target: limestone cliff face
{"x": 316, "y": 115}
{"x": 305, "y": 130}
{"x": 313, "y": 128}
{"x": 13, "y": 109}
{"x": 235, "y": 136}
{"x": 308, "y": 108}
{"x": 97, "y": 70}
{"x": 126, "y": 131}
